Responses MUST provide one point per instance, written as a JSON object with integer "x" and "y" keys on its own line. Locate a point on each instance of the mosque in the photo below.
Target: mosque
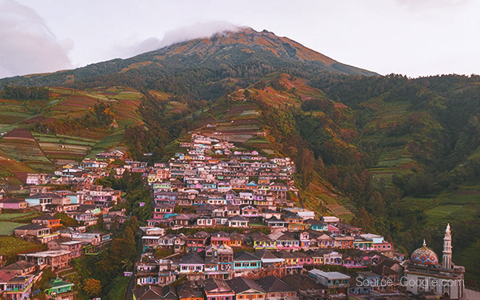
{"x": 424, "y": 273}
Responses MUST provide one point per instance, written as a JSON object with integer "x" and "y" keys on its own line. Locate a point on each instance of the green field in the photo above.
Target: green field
{"x": 119, "y": 285}
{"x": 452, "y": 208}
{"x": 11, "y": 246}
{"x": 107, "y": 143}
{"x": 249, "y": 113}
{"x": 469, "y": 259}
{"x": 446, "y": 208}
{"x": 11, "y": 216}
{"x": 7, "y": 228}
{"x": 238, "y": 127}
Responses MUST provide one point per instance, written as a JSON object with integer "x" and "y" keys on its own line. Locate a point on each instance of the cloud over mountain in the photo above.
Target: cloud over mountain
{"x": 27, "y": 43}
{"x": 194, "y": 31}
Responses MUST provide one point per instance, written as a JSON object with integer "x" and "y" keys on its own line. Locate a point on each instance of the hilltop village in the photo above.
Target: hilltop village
{"x": 224, "y": 225}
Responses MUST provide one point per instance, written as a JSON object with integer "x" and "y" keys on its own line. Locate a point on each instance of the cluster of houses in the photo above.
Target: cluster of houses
{"x": 312, "y": 284}
{"x": 222, "y": 227}
{"x": 248, "y": 240}
{"x": 84, "y": 202}
{"x": 62, "y": 243}
{"x": 17, "y": 280}
{"x": 82, "y": 205}
{"x": 83, "y": 175}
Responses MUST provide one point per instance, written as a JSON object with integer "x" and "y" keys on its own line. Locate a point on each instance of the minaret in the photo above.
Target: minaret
{"x": 447, "y": 249}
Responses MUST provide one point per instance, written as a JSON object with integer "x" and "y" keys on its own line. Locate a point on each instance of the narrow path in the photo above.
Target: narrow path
{"x": 133, "y": 278}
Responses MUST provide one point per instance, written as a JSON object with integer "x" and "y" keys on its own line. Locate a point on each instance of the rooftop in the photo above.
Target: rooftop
{"x": 48, "y": 253}
{"x": 329, "y": 275}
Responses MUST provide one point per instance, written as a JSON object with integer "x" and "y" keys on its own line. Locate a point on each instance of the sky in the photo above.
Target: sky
{"x": 409, "y": 37}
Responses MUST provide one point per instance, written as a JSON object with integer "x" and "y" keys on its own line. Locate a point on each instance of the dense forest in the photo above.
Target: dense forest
{"x": 25, "y": 93}
{"x": 438, "y": 131}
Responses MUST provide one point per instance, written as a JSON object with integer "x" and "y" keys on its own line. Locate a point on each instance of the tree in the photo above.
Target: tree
{"x": 376, "y": 204}
{"x": 92, "y": 287}
{"x": 364, "y": 220}
{"x": 203, "y": 104}
{"x": 305, "y": 163}
{"x": 127, "y": 264}
{"x": 100, "y": 223}
{"x": 115, "y": 224}
{"x": 161, "y": 253}
{"x": 66, "y": 220}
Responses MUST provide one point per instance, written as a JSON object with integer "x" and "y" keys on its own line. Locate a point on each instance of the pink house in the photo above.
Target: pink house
{"x": 287, "y": 241}
{"x": 13, "y": 203}
{"x": 303, "y": 258}
{"x": 249, "y": 211}
{"x": 383, "y": 246}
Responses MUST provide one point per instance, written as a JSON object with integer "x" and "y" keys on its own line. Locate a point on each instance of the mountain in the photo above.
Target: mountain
{"x": 394, "y": 155}
{"x": 234, "y": 54}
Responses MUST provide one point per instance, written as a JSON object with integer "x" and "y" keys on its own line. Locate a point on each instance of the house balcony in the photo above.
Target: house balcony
{"x": 147, "y": 273}
{"x": 18, "y": 289}
{"x": 66, "y": 295}
{"x": 43, "y": 236}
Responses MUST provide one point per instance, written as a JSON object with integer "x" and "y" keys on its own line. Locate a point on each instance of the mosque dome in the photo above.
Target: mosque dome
{"x": 424, "y": 256}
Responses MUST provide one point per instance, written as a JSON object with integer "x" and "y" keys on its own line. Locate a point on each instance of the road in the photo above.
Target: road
{"x": 131, "y": 283}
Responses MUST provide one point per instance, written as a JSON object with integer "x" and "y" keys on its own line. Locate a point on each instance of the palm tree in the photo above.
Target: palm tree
{"x": 127, "y": 264}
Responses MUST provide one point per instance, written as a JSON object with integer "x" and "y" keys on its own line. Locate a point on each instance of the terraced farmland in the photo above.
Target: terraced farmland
{"x": 21, "y": 146}
{"x": 64, "y": 149}
{"x": 40, "y": 152}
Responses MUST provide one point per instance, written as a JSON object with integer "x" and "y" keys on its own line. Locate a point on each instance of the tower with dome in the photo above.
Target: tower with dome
{"x": 424, "y": 273}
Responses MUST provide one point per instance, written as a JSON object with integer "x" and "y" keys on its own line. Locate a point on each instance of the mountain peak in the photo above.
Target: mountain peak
{"x": 251, "y": 41}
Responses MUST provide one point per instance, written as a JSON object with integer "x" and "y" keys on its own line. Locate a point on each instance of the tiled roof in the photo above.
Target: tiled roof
{"x": 244, "y": 256}
{"x": 148, "y": 292}
{"x": 213, "y": 284}
{"x": 46, "y": 217}
{"x": 192, "y": 258}
{"x": 12, "y": 200}
{"x": 302, "y": 282}
{"x": 33, "y": 226}
{"x": 240, "y": 285}
{"x": 272, "y": 284}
